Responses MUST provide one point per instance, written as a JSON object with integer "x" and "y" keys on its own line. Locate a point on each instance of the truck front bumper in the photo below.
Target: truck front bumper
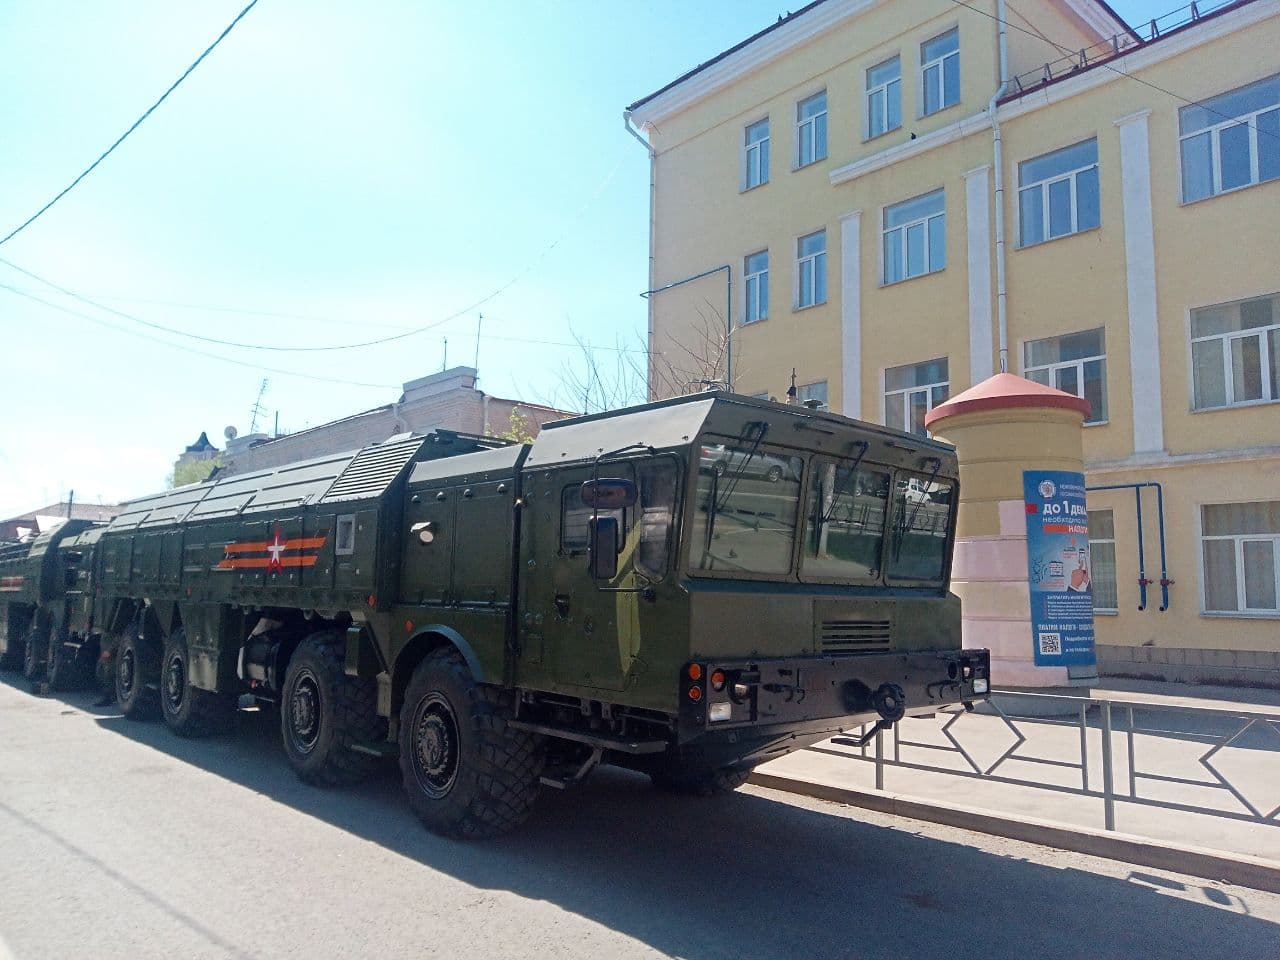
{"x": 769, "y": 707}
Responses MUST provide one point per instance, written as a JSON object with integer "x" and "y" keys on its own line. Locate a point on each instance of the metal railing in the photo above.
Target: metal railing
{"x": 1075, "y": 712}
{"x": 1073, "y": 60}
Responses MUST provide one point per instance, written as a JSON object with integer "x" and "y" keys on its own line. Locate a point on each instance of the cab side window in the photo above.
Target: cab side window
{"x": 575, "y": 520}
{"x": 657, "y": 504}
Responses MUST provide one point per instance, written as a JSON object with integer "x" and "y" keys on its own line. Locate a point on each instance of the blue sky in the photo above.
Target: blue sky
{"x": 332, "y": 173}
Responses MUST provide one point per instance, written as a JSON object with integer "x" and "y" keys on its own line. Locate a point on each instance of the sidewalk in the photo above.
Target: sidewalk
{"x": 1166, "y": 745}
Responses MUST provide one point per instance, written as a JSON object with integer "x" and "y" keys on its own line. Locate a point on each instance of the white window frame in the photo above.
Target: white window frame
{"x": 940, "y": 63}
{"x": 902, "y": 240}
{"x": 760, "y": 149}
{"x": 1053, "y": 369}
{"x": 1239, "y": 540}
{"x": 1264, "y": 358}
{"x": 905, "y": 392}
{"x": 807, "y": 129}
{"x": 810, "y": 261}
{"x": 882, "y": 90}
{"x": 1044, "y": 186}
{"x": 750, "y": 283}
{"x": 1215, "y": 148}
{"x": 1109, "y": 611}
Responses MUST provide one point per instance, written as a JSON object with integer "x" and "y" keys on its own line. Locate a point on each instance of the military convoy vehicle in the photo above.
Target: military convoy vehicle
{"x": 687, "y": 588}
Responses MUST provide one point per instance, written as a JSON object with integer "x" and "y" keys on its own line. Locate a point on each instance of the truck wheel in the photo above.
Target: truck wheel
{"x": 467, "y": 773}
{"x": 32, "y": 665}
{"x": 324, "y": 713}
{"x": 189, "y": 711}
{"x": 135, "y": 668}
{"x": 701, "y": 783}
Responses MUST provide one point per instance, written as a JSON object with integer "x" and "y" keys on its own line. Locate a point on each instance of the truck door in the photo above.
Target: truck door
{"x": 583, "y": 636}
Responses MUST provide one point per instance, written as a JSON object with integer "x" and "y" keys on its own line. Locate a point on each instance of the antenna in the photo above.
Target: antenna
{"x": 230, "y": 432}
{"x": 444, "y": 364}
{"x": 256, "y": 410}
{"x": 477, "y": 363}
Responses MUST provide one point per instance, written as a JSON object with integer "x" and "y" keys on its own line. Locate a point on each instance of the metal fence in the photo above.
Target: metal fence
{"x": 1094, "y": 722}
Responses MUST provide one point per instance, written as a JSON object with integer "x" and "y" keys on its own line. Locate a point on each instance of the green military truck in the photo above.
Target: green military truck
{"x": 687, "y": 588}
{"x": 46, "y": 606}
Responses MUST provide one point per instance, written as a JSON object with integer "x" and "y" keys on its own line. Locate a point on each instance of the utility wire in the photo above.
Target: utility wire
{"x": 194, "y": 350}
{"x": 1107, "y": 63}
{"x": 137, "y": 123}
{"x": 391, "y": 338}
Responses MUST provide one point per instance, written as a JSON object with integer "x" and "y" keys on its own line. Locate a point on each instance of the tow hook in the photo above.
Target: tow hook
{"x": 890, "y": 702}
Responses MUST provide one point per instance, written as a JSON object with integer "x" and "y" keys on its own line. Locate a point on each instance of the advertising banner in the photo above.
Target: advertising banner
{"x": 1058, "y": 568}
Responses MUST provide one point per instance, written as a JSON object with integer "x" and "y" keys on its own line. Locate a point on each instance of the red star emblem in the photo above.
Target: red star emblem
{"x": 275, "y": 548}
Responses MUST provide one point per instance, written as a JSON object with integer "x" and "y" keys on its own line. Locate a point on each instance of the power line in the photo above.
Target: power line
{"x": 1107, "y": 64}
{"x": 392, "y": 338}
{"x": 137, "y": 123}
{"x": 193, "y": 350}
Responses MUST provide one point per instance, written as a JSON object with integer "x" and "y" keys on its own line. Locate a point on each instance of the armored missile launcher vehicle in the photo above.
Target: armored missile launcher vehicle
{"x": 687, "y": 588}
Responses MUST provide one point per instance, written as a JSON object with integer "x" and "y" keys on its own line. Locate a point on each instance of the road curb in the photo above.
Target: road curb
{"x": 1253, "y": 872}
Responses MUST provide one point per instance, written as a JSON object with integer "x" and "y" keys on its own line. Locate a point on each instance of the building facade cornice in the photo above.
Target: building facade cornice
{"x": 910, "y": 148}
{"x": 751, "y": 57}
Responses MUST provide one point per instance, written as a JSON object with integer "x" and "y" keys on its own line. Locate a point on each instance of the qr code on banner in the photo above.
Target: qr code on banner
{"x": 1050, "y": 643}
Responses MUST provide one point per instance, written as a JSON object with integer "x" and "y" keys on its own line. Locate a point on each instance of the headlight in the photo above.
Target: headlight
{"x": 719, "y": 711}
{"x": 980, "y": 685}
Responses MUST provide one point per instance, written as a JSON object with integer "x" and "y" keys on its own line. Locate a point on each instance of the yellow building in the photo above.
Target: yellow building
{"x": 896, "y": 200}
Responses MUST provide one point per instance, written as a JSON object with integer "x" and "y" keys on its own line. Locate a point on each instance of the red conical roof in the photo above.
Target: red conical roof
{"x": 1005, "y": 391}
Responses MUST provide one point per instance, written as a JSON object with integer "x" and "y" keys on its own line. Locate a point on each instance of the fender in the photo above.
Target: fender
{"x": 455, "y": 638}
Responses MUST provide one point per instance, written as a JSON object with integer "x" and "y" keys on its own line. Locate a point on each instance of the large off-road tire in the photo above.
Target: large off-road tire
{"x": 137, "y": 668}
{"x": 189, "y": 711}
{"x": 701, "y": 783}
{"x": 324, "y": 713}
{"x": 33, "y": 654}
{"x": 466, "y": 772}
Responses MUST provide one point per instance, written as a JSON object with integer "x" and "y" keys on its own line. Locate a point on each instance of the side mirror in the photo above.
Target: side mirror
{"x": 602, "y": 560}
{"x": 609, "y": 494}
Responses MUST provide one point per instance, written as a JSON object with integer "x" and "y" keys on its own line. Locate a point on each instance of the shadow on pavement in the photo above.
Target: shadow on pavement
{"x": 748, "y": 876}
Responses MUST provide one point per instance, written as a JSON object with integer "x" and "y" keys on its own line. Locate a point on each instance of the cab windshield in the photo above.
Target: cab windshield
{"x": 844, "y": 522}
{"x": 745, "y": 511}
{"x": 920, "y": 519}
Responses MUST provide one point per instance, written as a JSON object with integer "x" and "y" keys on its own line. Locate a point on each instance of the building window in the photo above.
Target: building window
{"x": 1102, "y": 560}
{"x": 756, "y": 281}
{"x": 1076, "y": 363}
{"x": 1058, "y": 193}
{"x": 884, "y": 97}
{"x": 755, "y": 158}
{"x": 915, "y": 241}
{"x": 811, "y": 130}
{"x": 1231, "y": 140}
{"x": 813, "y": 391}
{"x": 1241, "y": 543}
{"x": 1235, "y": 353}
{"x": 811, "y": 269}
{"x": 912, "y": 391}
{"x": 940, "y": 71}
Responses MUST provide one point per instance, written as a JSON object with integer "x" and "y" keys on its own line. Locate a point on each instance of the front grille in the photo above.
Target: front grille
{"x": 854, "y": 636}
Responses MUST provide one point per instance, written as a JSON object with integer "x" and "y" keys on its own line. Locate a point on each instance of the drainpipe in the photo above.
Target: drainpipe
{"x": 653, "y": 213}
{"x": 998, "y": 162}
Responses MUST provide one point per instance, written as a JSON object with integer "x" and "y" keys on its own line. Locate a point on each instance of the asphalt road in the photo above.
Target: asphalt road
{"x": 118, "y": 839}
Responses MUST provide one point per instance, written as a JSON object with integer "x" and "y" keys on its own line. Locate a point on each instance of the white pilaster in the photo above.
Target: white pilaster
{"x": 1140, "y": 271}
{"x": 978, "y": 214}
{"x": 851, "y": 313}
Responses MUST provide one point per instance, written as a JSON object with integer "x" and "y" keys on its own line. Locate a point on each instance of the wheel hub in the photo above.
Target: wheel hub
{"x": 304, "y": 712}
{"x": 435, "y": 741}
{"x": 175, "y": 682}
{"x": 127, "y": 668}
